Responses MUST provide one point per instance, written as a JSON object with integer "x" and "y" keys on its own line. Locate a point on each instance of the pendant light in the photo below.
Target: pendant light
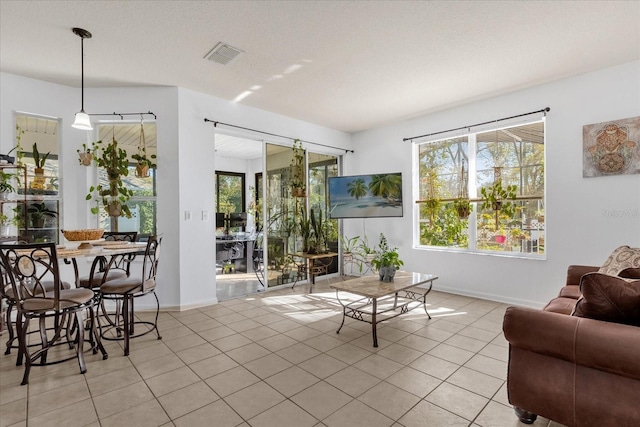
{"x": 82, "y": 119}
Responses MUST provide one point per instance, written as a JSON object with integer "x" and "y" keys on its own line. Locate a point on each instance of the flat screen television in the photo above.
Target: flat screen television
{"x": 366, "y": 196}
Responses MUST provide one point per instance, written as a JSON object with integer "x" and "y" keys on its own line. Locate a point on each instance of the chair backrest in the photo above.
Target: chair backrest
{"x": 28, "y": 268}
{"x": 150, "y": 263}
{"x": 125, "y": 236}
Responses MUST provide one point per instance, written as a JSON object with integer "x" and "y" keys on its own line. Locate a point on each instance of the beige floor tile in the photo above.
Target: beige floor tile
{"x": 428, "y": 414}
{"x": 191, "y": 317}
{"x": 185, "y": 400}
{"x": 203, "y": 325}
{"x": 153, "y": 351}
{"x": 357, "y": 413}
{"x": 213, "y": 365}
{"x": 477, "y": 333}
{"x": 405, "y": 325}
{"x": 277, "y": 342}
{"x": 233, "y": 380}
{"x": 298, "y": 353}
{"x": 488, "y": 365}
{"x": 348, "y": 334}
{"x": 434, "y": 366}
{"x": 495, "y": 352}
{"x": 323, "y": 342}
{"x": 197, "y": 353}
{"x": 230, "y": 342}
{"x": 389, "y": 400}
{"x": 501, "y": 396}
{"x": 498, "y": 415}
{"x": 349, "y": 353}
{"x": 13, "y": 412}
{"x": 171, "y": 381}
{"x": 413, "y": 381}
{"x": 418, "y": 343}
{"x": 285, "y": 414}
{"x": 216, "y": 333}
{"x": 321, "y": 400}
{"x": 260, "y": 333}
{"x": 160, "y": 365}
{"x": 466, "y": 343}
{"x": 267, "y": 319}
{"x": 433, "y": 334}
{"x": 457, "y": 400}
{"x": 76, "y": 414}
{"x": 291, "y": 381}
{"x": 302, "y": 333}
{"x": 185, "y": 342}
{"x": 366, "y": 342}
{"x": 216, "y": 311}
{"x": 254, "y": 400}
{"x": 41, "y": 384}
{"x": 268, "y": 365}
{"x": 230, "y": 318}
{"x": 378, "y": 366}
{"x": 122, "y": 399}
{"x": 501, "y": 341}
{"x": 400, "y": 353}
{"x": 451, "y": 354}
{"x": 391, "y": 334}
{"x": 113, "y": 380}
{"x": 148, "y": 413}
{"x": 322, "y": 365}
{"x": 352, "y": 381}
{"x": 477, "y": 382}
{"x": 57, "y": 398}
{"x": 174, "y": 333}
{"x": 117, "y": 361}
{"x": 243, "y": 325}
{"x": 219, "y": 411}
{"x": 488, "y": 325}
{"x": 248, "y": 353}
{"x": 285, "y": 325}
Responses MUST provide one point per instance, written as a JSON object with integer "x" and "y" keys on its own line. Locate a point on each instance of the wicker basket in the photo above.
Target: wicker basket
{"x": 83, "y": 235}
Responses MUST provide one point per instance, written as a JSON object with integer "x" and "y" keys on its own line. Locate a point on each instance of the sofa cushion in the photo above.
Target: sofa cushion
{"x": 621, "y": 259}
{"x": 570, "y": 291}
{"x": 609, "y": 298}
{"x": 562, "y": 305}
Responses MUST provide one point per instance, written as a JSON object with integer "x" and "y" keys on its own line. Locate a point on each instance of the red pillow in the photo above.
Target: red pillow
{"x": 609, "y": 298}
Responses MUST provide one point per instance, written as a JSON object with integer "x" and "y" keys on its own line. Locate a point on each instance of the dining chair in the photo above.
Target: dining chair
{"x": 6, "y": 292}
{"x": 125, "y": 290}
{"x": 28, "y": 269}
{"x": 120, "y": 266}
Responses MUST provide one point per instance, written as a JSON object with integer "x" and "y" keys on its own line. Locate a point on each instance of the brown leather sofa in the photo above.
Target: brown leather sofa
{"x": 574, "y": 370}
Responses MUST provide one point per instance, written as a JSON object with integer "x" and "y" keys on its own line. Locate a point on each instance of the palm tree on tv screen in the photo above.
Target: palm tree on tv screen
{"x": 357, "y": 188}
{"x": 386, "y": 186}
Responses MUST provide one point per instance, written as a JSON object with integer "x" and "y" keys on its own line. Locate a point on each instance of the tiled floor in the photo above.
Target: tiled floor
{"x": 274, "y": 359}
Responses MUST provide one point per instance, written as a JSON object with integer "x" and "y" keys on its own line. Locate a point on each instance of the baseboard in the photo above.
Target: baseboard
{"x": 167, "y": 308}
{"x": 491, "y": 297}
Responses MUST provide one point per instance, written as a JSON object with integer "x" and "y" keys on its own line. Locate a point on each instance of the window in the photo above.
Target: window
{"x": 143, "y": 203}
{"x": 230, "y": 192}
{"x": 501, "y": 174}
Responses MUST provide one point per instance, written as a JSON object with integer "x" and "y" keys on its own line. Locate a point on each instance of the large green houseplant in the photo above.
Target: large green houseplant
{"x": 115, "y": 194}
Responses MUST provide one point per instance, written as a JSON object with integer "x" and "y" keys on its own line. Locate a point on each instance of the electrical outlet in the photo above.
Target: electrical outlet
{"x": 205, "y": 215}
{"x": 187, "y": 215}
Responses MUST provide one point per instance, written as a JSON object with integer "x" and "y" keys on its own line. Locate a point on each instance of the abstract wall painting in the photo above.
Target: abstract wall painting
{"x": 611, "y": 148}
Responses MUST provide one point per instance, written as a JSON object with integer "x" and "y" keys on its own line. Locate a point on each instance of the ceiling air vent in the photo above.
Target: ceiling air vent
{"x": 223, "y": 53}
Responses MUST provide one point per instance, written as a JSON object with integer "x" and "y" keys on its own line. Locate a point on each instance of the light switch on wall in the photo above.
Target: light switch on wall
{"x": 205, "y": 215}
{"x": 187, "y": 215}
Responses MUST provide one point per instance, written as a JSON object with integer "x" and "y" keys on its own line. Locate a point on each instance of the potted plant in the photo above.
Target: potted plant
{"x": 4, "y": 225}
{"x": 463, "y": 207}
{"x": 38, "y": 180}
{"x": 85, "y": 156}
{"x": 497, "y": 198}
{"x": 298, "y": 181}
{"x": 318, "y": 245}
{"x": 6, "y": 187}
{"x": 115, "y": 195}
{"x": 38, "y": 213}
{"x": 305, "y": 229}
{"x": 144, "y": 162}
{"x": 386, "y": 260}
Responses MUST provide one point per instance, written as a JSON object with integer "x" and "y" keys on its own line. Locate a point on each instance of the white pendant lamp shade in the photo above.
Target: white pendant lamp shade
{"x": 82, "y": 121}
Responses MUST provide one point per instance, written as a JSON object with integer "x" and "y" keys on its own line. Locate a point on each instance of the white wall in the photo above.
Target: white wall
{"x": 585, "y": 218}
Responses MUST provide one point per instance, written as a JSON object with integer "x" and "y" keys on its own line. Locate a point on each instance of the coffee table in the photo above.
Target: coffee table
{"x": 383, "y": 300}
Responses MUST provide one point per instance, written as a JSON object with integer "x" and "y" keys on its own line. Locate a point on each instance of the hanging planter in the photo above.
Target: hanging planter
{"x": 296, "y": 170}
{"x": 85, "y": 156}
{"x": 144, "y": 163}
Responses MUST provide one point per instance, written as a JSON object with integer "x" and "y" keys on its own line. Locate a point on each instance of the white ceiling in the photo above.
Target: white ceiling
{"x": 348, "y": 65}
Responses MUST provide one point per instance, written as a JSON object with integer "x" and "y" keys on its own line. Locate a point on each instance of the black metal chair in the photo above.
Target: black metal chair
{"x": 125, "y": 290}
{"x": 29, "y": 269}
{"x": 119, "y": 268}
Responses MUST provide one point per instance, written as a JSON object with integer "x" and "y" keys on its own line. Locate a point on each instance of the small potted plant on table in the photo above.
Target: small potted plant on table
{"x": 386, "y": 260}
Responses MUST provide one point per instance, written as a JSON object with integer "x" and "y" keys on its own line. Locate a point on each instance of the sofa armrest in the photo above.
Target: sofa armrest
{"x": 575, "y": 272}
{"x": 609, "y": 347}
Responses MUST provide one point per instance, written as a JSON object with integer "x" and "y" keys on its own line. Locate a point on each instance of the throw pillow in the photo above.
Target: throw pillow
{"x": 621, "y": 259}
{"x": 609, "y": 298}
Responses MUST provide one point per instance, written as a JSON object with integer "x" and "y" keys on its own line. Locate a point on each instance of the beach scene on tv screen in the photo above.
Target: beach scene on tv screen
{"x": 364, "y": 196}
